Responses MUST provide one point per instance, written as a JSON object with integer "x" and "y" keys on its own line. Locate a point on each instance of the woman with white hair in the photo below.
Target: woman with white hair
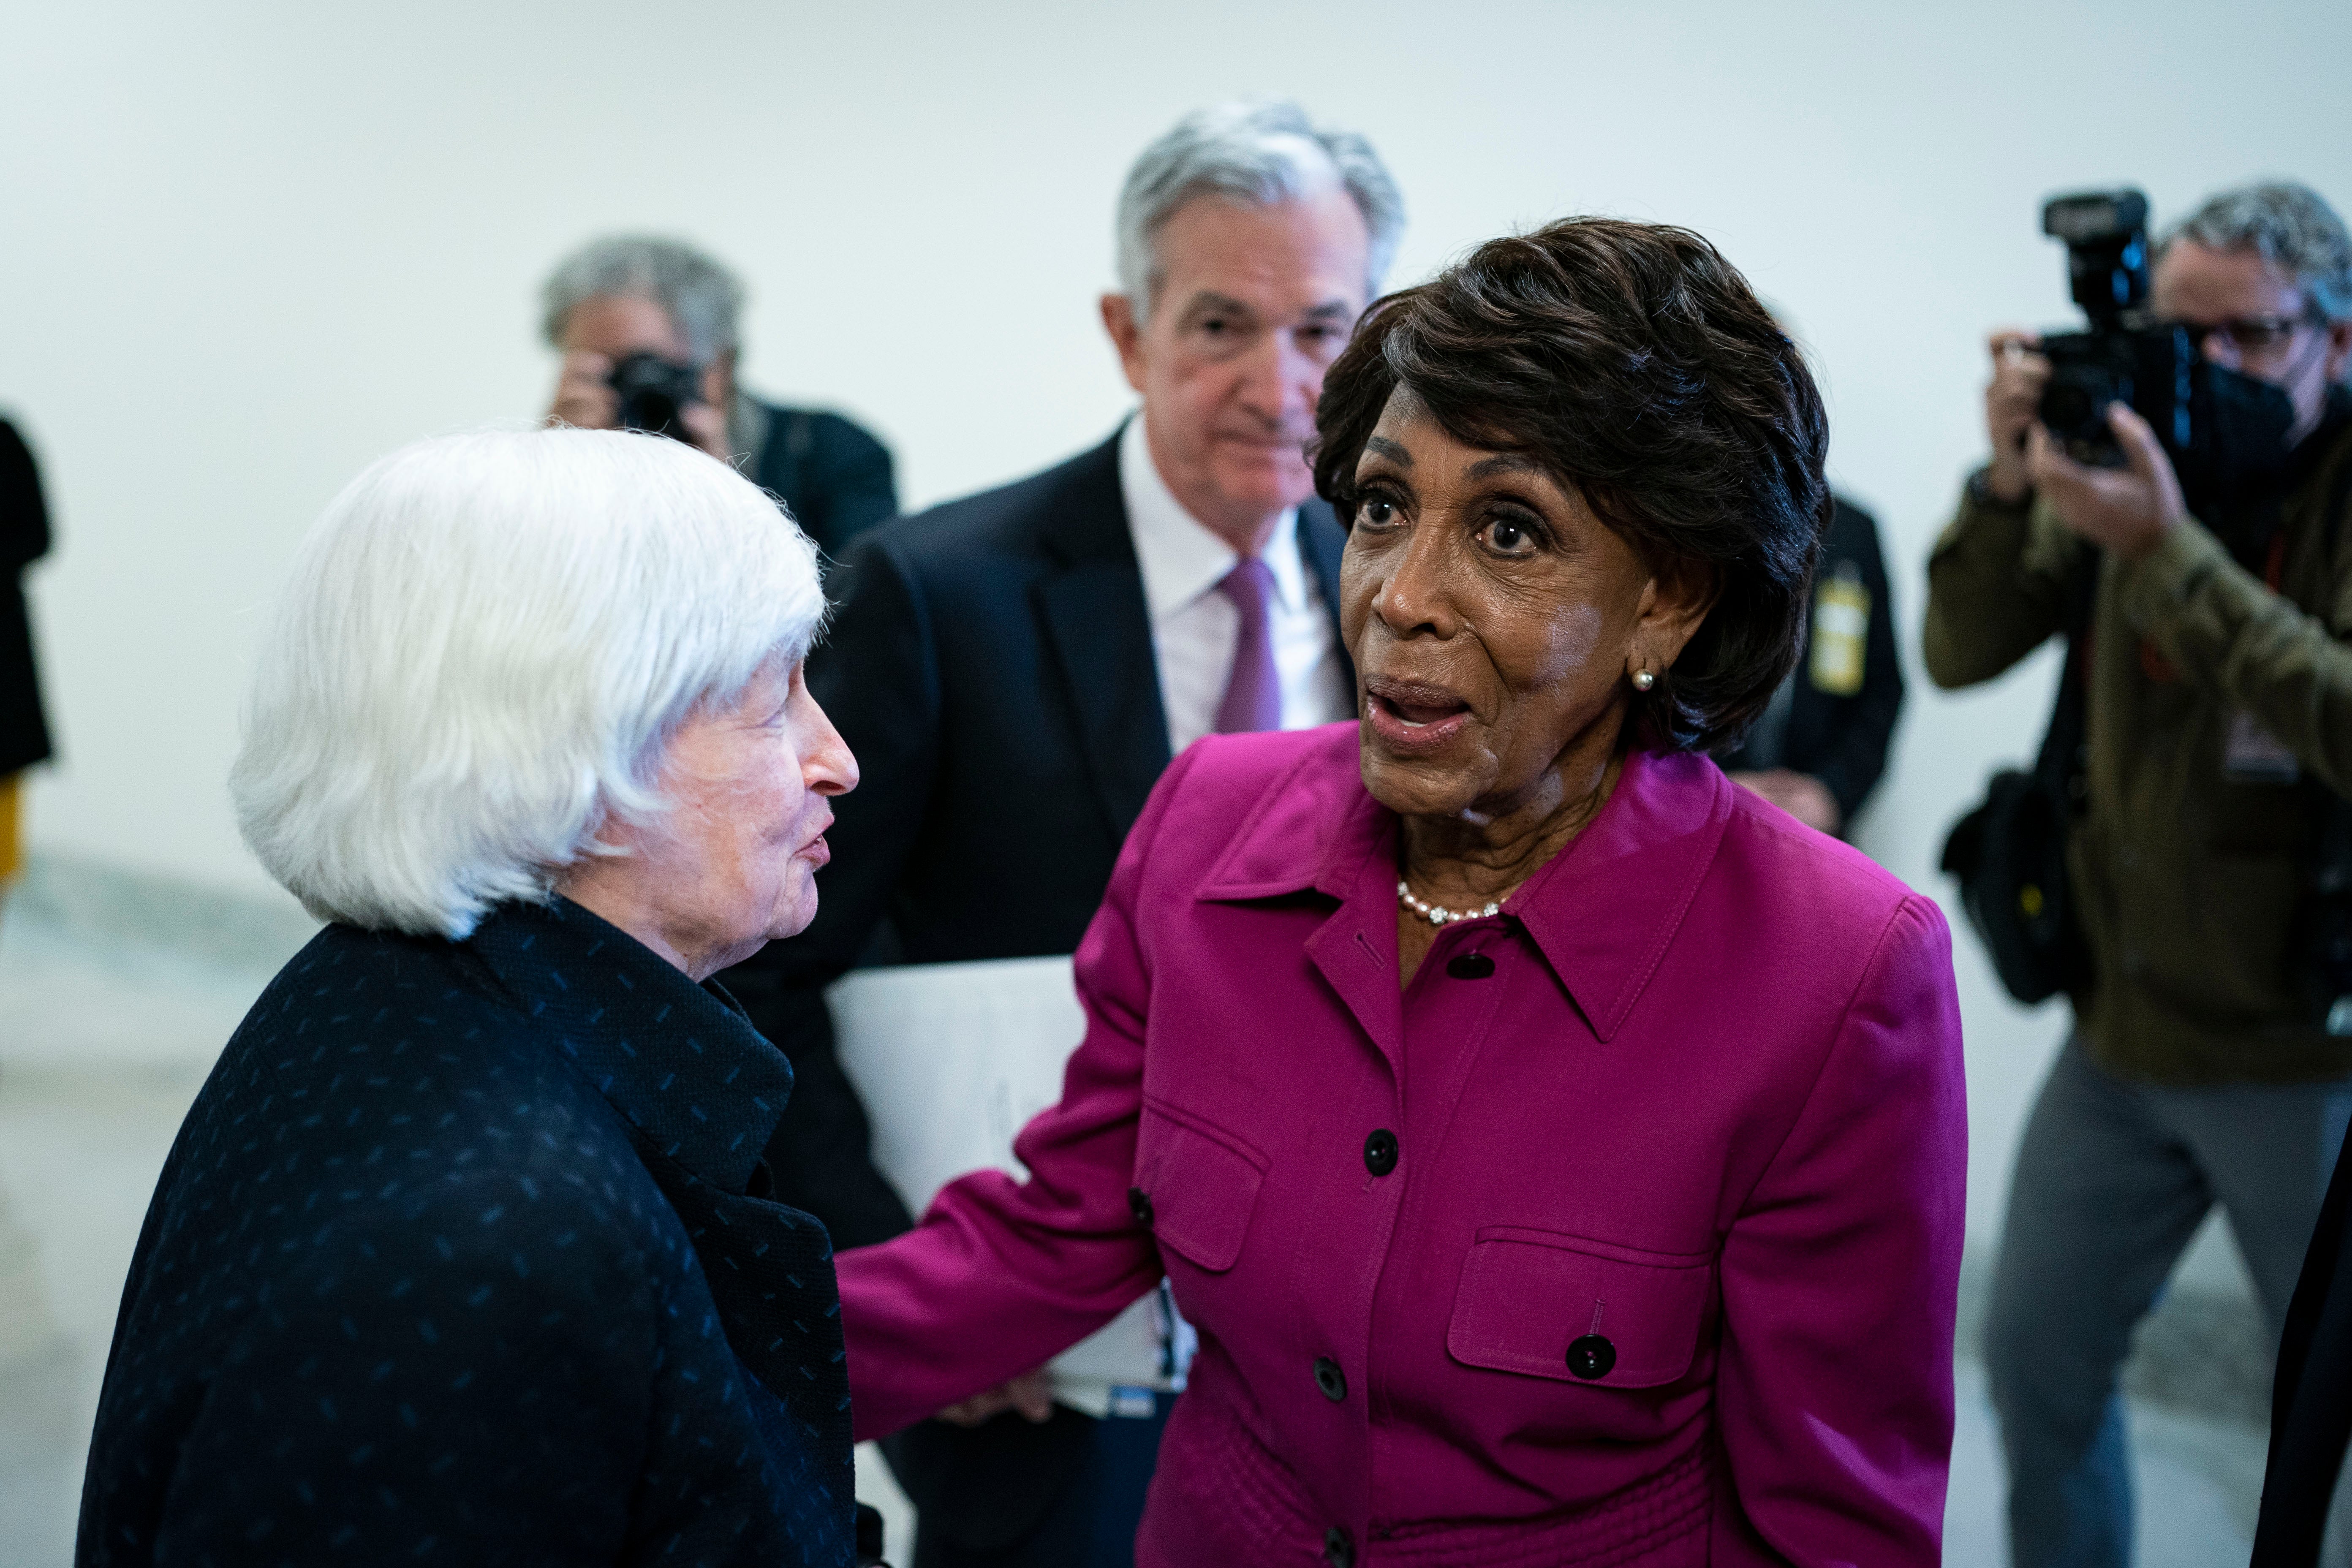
{"x": 464, "y": 1251}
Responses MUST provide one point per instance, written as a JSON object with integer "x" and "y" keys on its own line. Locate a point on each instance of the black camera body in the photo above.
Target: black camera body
{"x": 652, "y": 390}
{"x": 2152, "y": 371}
{"x": 2151, "y": 368}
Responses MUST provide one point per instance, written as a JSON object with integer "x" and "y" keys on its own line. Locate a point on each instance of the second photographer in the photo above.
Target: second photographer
{"x": 2203, "y": 565}
{"x": 647, "y": 329}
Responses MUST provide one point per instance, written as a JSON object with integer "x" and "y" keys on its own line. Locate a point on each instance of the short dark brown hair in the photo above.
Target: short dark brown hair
{"x": 1634, "y": 363}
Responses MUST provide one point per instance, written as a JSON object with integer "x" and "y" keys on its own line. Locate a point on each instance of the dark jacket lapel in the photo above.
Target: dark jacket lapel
{"x": 701, "y": 1091}
{"x": 1090, "y": 604}
{"x": 1099, "y": 628}
{"x": 1322, "y": 539}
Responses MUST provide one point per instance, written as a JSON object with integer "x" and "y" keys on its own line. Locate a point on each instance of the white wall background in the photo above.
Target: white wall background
{"x": 245, "y": 248}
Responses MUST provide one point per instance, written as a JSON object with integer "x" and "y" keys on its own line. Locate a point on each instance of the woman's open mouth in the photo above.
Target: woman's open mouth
{"x": 1414, "y": 716}
{"x": 816, "y": 851}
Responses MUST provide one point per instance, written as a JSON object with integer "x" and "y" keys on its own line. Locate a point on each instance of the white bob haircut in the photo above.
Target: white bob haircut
{"x": 482, "y": 653}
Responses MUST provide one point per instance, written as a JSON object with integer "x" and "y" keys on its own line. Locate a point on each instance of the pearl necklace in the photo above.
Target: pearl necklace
{"x": 1437, "y": 916}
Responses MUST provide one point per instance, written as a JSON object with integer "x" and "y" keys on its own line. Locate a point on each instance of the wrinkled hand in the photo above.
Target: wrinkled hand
{"x": 2126, "y": 511}
{"x": 1802, "y": 795}
{"x": 2011, "y": 399}
{"x": 584, "y": 398}
{"x": 1032, "y": 1393}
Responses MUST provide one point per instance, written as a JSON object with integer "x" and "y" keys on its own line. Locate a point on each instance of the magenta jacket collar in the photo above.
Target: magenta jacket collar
{"x": 1641, "y": 858}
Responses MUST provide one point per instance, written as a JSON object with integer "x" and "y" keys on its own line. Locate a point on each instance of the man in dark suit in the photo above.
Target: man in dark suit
{"x": 23, "y": 729}
{"x": 1014, "y": 670}
{"x": 631, "y": 295}
{"x": 1817, "y": 751}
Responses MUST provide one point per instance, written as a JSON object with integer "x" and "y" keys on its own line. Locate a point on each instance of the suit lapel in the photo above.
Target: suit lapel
{"x": 771, "y": 1273}
{"x": 1090, "y": 604}
{"x": 683, "y": 1067}
{"x": 1092, "y": 609}
{"x": 1322, "y": 541}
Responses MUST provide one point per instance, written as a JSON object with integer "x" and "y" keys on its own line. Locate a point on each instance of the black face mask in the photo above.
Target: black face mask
{"x": 2234, "y": 472}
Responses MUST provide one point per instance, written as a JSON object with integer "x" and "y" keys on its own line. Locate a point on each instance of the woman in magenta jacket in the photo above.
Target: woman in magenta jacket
{"x": 1560, "y": 1151}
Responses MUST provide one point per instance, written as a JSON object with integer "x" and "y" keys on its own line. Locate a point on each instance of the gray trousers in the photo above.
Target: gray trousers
{"x": 2113, "y": 1179}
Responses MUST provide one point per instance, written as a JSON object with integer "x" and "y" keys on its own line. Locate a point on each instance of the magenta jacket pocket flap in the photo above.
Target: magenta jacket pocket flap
{"x": 1562, "y": 1307}
{"x": 1196, "y": 1185}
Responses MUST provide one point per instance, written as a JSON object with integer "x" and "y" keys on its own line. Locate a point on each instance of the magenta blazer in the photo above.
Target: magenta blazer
{"x": 1628, "y": 1233}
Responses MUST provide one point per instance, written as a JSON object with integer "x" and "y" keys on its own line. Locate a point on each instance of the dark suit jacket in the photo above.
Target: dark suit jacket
{"x": 834, "y": 477}
{"x": 456, "y": 1256}
{"x": 24, "y": 539}
{"x": 2311, "y": 1402}
{"x": 991, "y": 669}
{"x": 1841, "y": 741}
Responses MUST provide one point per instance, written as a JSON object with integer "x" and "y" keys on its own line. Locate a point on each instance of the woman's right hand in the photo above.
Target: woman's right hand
{"x": 2012, "y": 402}
{"x": 1032, "y": 1393}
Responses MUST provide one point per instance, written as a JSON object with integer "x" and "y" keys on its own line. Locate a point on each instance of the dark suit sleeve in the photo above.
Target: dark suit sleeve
{"x": 876, "y": 678}
{"x": 1855, "y": 752}
{"x": 852, "y": 486}
{"x": 24, "y": 515}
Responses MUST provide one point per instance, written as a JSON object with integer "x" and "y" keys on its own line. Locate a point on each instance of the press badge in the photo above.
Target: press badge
{"x": 1841, "y": 633}
{"x": 2253, "y": 755}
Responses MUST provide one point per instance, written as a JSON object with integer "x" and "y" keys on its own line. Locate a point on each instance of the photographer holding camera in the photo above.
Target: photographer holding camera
{"x": 647, "y": 331}
{"x": 2201, "y": 563}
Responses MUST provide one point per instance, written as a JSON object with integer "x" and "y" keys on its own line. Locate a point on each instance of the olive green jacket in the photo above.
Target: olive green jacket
{"x": 2188, "y": 881}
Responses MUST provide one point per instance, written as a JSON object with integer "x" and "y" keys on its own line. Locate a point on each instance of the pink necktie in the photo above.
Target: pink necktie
{"x": 1254, "y": 693}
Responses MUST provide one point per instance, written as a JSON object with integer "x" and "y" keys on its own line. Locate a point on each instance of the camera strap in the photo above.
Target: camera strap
{"x": 2060, "y": 760}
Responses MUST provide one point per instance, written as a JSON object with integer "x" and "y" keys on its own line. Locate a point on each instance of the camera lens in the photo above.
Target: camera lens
{"x": 2066, "y": 406}
{"x": 652, "y": 391}
{"x": 648, "y": 411}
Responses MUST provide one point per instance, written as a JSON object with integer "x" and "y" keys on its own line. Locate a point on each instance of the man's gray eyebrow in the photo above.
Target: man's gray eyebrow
{"x": 1208, "y": 299}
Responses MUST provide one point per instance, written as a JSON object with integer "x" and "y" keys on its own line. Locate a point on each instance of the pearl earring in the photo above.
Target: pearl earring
{"x": 1643, "y": 680}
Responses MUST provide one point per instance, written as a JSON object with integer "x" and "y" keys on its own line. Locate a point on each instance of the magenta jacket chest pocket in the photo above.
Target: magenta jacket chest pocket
{"x": 1195, "y": 1185}
{"x": 1548, "y": 1305}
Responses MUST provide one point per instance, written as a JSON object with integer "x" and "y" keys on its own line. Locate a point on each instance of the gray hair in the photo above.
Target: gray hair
{"x": 701, "y": 297}
{"x": 2287, "y": 225}
{"x": 481, "y": 654}
{"x": 1258, "y": 151}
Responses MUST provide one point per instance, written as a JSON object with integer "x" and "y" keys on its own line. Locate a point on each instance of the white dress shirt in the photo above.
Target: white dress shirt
{"x": 1193, "y": 627}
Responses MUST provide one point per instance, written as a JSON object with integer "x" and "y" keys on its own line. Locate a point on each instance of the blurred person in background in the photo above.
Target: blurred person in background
{"x": 23, "y": 729}
{"x": 1560, "y": 1152}
{"x": 466, "y": 1251}
{"x": 1015, "y": 670}
{"x": 2220, "y": 728}
{"x": 662, "y": 318}
{"x": 1819, "y": 746}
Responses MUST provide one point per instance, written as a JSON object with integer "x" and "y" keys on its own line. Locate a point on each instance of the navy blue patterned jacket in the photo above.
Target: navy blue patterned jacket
{"x": 455, "y": 1261}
